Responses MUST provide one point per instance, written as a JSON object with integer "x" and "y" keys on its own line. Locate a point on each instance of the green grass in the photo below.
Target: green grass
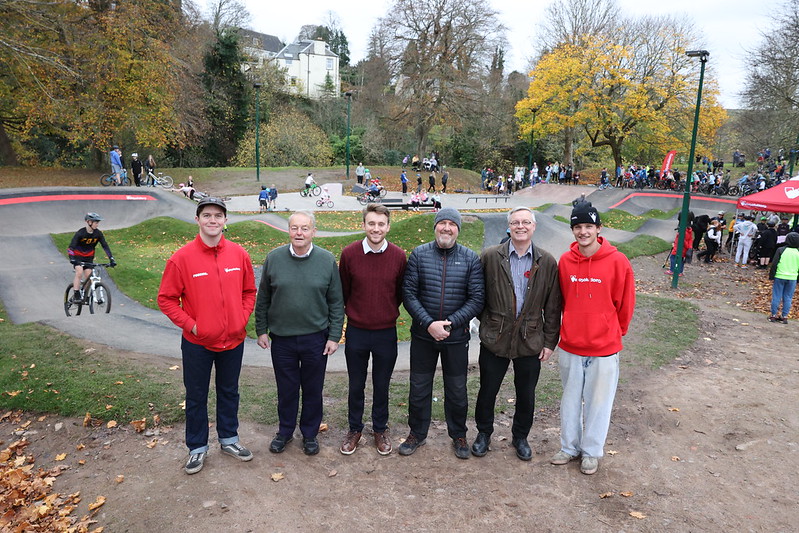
{"x": 665, "y": 327}
{"x": 142, "y": 250}
{"x": 44, "y": 370}
{"x": 641, "y": 245}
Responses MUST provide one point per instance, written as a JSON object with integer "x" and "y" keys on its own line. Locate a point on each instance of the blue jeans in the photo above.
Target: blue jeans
{"x": 589, "y": 387}
{"x": 197, "y": 363}
{"x": 782, "y": 291}
{"x": 381, "y": 346}
{"x": 299, "y": 362}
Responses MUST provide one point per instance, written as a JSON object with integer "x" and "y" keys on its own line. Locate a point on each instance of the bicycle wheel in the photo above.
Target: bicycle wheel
{"x": 69, "y": 306}
{"x": 106, "y": 180}
{"x": 319, "y": 203}
{"x": 330, "y": 203}
{"x": 734, "y": 191}
{"x": 316, "y": 191}
{"x": 100, "y": 299}
{"x": 304, "y": 192}
{"x": 363, "y": 199}
{"x": 383, "y": 192}
{"x": 166, "y": 182}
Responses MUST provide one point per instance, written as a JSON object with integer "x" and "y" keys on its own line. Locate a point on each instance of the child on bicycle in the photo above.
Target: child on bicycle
{"x": 81, "y": 251}
{"x": 325, "y": 195}
{"x": 309, "y": 182}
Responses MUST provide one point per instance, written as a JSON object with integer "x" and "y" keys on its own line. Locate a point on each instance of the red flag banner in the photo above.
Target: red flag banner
{"x": 667, "y": 161}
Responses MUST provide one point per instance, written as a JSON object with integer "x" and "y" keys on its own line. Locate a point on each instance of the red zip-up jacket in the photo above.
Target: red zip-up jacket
{"x": 212, "y": 287}
{"x": 598, "y": 300}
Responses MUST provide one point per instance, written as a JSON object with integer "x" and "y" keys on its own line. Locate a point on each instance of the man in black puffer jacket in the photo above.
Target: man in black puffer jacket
{"x": 443, "y": 290}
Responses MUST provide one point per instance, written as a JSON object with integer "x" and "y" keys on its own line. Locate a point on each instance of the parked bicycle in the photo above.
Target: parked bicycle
{"x": 107, "y": 180}
{"x": 313, "y": 190}
{"x": 95, "y": 293}
{"x": 159, "y": 179}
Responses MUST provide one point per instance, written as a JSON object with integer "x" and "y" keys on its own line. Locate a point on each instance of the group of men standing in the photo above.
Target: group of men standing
{"x": 524, "y": 299}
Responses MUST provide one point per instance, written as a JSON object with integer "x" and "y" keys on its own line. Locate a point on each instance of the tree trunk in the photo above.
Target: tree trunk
{"x": 568, "y": 145}
{"x": 8, "y": 156}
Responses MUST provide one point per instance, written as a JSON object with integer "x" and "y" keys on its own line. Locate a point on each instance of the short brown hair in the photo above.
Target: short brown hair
{"x": 380, "y": 209}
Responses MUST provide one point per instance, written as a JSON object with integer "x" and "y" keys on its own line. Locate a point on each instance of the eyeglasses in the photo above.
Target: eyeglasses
{"x": 517, "y": 223}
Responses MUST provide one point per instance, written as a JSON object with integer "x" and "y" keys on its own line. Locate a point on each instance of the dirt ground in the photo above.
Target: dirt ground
{"x": 706, "y": 443}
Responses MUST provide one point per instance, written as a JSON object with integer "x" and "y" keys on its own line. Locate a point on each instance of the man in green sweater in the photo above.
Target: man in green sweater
{"x": 299, "y": 314}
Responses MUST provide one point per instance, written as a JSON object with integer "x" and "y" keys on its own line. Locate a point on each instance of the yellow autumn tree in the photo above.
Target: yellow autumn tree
{"x": 638, "y": 89}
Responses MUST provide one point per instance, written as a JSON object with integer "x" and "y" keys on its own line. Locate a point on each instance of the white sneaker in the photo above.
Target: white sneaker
{"x": 589, "y": 465}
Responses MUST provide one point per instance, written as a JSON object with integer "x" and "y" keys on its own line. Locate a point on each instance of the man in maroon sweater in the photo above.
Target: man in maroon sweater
{"x": 371, "y": 277}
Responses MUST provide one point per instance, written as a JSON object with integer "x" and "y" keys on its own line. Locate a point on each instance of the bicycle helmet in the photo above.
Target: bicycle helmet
{"x": 93, "y": 217}
{"x": 263, "y": 187}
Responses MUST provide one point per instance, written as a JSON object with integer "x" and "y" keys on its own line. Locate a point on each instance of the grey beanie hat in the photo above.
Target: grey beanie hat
{"x": 448, "y": 213}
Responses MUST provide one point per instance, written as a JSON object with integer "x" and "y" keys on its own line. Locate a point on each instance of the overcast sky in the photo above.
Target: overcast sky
{"x": 729, "y": 27}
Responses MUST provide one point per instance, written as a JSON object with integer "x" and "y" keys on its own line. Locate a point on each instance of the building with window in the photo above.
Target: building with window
{"x": 311, "y": 69}
{"x": 259, "y": 47}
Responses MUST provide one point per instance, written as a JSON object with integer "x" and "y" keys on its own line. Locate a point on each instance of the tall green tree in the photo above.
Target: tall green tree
{"x": 228, "y": 95}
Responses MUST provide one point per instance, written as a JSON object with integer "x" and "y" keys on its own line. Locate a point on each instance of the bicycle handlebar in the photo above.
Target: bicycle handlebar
{"x": 92, "y": 265}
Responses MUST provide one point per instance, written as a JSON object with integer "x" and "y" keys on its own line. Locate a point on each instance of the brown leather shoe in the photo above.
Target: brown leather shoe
{"x": 350, "y": 443}
{"x": 383, "y": 443}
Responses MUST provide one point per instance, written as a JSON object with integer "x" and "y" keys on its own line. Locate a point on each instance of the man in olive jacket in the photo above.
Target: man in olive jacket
{"x": 520, "y": 322}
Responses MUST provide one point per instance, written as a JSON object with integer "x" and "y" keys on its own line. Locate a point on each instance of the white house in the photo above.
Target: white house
{"x": 259, "y": 47}
{"x": 309, "y": 66}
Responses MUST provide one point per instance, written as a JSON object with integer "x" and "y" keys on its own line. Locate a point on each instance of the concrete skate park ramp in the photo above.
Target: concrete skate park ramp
{"x": 32, "y": 286}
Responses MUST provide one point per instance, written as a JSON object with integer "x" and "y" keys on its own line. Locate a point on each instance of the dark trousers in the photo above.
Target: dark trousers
{"x": 381, "y": 344}
{"x": 525, "y": 379}
{"x": 404, "y": 187}
{"x": 454, "y": 363}
{"x": 708, "y": 253}
{"x": 197, "y": 363}
{"x": 299, "y": 363}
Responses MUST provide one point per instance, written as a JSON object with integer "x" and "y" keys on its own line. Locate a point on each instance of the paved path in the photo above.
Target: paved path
{"x": 32, "y": 289}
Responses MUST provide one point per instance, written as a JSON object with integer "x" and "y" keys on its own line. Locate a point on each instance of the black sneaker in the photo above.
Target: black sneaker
{"x": 310, "y": 446}
{"x": 195, "y": 463}
{"x": 238, "y": 451}
{"x": 410, "y": 444}
{"x": 76, "y": 297}
{"x": 279, "y": 443}
{"x": 461, "y": 448}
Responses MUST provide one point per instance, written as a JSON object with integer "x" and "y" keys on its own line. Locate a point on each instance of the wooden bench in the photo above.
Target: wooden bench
{"x": 496, "y": 198}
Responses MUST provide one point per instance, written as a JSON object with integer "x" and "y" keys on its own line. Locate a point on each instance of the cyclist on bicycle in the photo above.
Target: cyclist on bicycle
{"x": 309, "y": 182}
{"x": 374, "y": 191}
{"x": 116, "y": 163}
{"x": 81, "y": 250}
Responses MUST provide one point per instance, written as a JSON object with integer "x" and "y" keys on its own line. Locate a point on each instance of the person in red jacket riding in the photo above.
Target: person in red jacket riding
{"x": 598, "y": 291}
{"x": 208, "y": 291}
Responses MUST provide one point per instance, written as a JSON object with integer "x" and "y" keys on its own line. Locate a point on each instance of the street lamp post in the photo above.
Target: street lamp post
{"x": 257, "y": 86}
{"x": 348, "y": 94}
{"x": 702, "y": 55}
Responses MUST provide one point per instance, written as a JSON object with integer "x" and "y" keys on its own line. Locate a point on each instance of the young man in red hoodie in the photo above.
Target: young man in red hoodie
{"x": 208, "y": 291}
{"x": 598, "y": 290}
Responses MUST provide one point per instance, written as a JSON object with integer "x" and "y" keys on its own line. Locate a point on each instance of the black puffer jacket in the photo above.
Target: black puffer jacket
{"x": 443, "y": 285}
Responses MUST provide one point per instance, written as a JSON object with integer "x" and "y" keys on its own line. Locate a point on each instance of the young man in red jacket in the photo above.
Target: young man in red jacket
{"x": 208, "y": 291}
{"x": 598, "y": 291}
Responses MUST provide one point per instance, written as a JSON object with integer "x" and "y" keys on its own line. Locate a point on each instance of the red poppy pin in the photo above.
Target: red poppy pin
{"x": 527, "y": 274}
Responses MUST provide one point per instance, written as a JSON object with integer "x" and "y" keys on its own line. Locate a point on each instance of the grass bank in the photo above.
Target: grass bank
{"x": 43, "y": 370}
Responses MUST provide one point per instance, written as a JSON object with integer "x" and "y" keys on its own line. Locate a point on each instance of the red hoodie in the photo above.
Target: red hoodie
{"x": 212, "y": 288}
{"x": 598, "y": 300}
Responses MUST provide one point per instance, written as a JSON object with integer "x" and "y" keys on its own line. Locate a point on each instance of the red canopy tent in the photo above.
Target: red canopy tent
{"x": 782, "y": 198}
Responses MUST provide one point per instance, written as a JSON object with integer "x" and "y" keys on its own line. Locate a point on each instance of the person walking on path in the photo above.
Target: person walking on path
{"x": 519, "y": 323}
{"x": 208, "y": 291}
{"x": 598, "y": 289}
{"x": 443, "y": 290}
{"x": 371, "y": 273}
{"x": 784, "y": 273}
{"x": 299, "y": 314}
